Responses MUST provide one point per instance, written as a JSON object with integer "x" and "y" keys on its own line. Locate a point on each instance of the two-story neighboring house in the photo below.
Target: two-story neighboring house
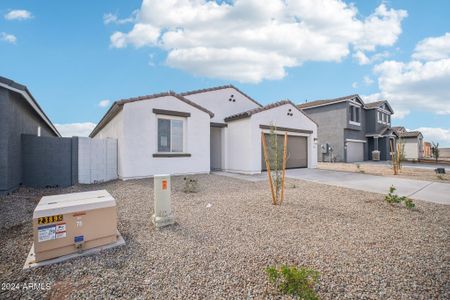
{"x": 350, "y": 130}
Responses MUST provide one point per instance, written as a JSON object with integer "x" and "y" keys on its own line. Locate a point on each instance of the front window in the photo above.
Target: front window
{"x": 170, "y": 135}
{"x": 354, "y": 114}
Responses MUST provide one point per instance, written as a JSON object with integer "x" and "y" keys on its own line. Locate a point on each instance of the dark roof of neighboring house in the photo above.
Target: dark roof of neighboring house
{"x": 23, "y": 90}
{"x": 385, "y": 130}
{"x": 398, "y": 128}
{"x": 377, "y": 104}
{"x": 249, "y": 113}
{"x": 315, "y": 103}
{"x": 216, "y": 88}
{"x": 410, "y": 134}
{"x": 117, "y": 106}
{"x": 400, "y": 131}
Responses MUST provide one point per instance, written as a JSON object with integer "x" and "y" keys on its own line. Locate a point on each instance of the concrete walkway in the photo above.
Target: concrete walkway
{"x": 424, "y": 166}
{"x": 429, "y": 191}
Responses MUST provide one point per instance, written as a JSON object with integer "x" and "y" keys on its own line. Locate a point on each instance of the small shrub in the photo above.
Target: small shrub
{"x": 293, "y": 186}
{"x": 393, "y": 198}
{"x": 190, "y": 185}
{"x": 294, "y": 281}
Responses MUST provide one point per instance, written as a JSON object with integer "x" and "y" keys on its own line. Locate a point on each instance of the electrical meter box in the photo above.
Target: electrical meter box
{"x": 70, "y": 223}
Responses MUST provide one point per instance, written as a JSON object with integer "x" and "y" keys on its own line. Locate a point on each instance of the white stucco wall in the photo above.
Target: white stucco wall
{"x": 244, "y": 138}
{"x": 238, "y": 148}
{"x": 140, "y": 140}
{"x": 218, "y": 102}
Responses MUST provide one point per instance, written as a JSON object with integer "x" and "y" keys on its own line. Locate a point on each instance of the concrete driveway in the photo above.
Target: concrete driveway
{"x": 415, "y": 189}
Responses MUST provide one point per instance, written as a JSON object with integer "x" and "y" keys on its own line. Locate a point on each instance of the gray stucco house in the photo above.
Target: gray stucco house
{"x": 351, "y": 130}
{"x": 19, "y": 114}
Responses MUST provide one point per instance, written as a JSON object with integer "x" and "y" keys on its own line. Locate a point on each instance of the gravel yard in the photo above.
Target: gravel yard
{"x": 411, "y": 173}
{"x": 362, "y": 247}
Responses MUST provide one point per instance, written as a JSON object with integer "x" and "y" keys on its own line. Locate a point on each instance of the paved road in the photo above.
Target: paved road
{"x": 416, "y": 189}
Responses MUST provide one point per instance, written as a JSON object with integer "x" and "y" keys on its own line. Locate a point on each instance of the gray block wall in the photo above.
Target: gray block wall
{"x": 16, "y": 118}
{"x": 49, "y": 161}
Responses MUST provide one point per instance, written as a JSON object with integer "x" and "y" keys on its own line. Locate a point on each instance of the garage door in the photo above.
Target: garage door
{"x": 355, "y": 151}
{"x": 296, "y": 153}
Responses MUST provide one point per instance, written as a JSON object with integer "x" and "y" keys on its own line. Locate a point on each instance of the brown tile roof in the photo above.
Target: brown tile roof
{"x": 216, "y": 88}
{"x": 116, "y": 107}
{"x": 249, "y": 113}
{"x": 311, "y": 104}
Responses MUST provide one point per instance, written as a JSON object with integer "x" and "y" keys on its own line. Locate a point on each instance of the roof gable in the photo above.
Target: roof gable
{"x": 116, "y": 107}
{"x": 382, "y": 104}
{"x": 324, "y": 102}
{"x": 213, "y": 89}
{"x": 249, "y": 113}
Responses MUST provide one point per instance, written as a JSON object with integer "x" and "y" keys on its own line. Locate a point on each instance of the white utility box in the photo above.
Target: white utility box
{"x": 71, "y": 223}
{"x": 163, "y": 215}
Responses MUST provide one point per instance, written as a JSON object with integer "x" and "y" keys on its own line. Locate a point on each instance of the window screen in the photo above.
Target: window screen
{"x": 163, "y": 135}
{"x": 177, "y": 136}
{"x": 170, "y": 135}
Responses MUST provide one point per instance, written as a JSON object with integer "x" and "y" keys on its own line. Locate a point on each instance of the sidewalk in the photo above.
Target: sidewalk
{"x": 429, "y": 191}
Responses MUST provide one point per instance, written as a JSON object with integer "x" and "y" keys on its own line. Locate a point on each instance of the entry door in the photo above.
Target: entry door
{"x": 216, "y": 148}
{"x": 296, "y": 152}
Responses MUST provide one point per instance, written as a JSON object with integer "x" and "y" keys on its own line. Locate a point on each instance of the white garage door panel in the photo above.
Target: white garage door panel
{"x": 355, "y": 151}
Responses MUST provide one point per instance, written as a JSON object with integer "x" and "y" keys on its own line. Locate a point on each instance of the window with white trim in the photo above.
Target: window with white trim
{"x": 170, "y": 135}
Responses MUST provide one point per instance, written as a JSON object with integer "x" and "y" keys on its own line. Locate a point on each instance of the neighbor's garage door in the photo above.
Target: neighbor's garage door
{"x": 355, "y": 151}
{"x": 296, "y": 154}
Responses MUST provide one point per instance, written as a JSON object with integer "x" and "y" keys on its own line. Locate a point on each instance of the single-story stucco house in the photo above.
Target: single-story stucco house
{"x": 19, "y": 114}
{"x": 413, "y": 142}
{"x": 195, "y": 132}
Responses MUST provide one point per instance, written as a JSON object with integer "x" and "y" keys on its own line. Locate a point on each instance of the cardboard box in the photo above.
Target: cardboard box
{"x": 70, "y": 223}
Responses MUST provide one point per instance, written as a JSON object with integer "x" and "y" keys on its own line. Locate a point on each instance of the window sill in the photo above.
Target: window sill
{"x": 354, "y": 123}
{"x": 171, "y": 155}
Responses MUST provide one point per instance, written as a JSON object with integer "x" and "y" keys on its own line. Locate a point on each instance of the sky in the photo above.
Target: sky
{"x": 78, "y": 57}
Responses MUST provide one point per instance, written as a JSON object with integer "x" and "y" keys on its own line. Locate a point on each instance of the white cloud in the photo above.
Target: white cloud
{"x": 9, "y": 38}
{"x": 367, "y": 80}
{"x": 419, "y": 84}
{"x": 440, "y": 135}
{"x": 422, "y": 85}
{"x": 354, "y": 85}
{"x": 251, "y": 40}
{"x": 139, "y": 36}
{"x": 104, "y": 103}
{"x": 75, "y": 129}
{"x": 433, "y": 48}
{"x": 382, "y": 28}
{"x": 361, "y": 57}
{"x": 18, "y": 14}
{"x": 110, "y": 18}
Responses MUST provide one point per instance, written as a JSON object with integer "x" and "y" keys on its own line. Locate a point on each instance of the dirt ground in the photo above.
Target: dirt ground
{"x": 228, "y": 233}
{"x": 405, "y": 172}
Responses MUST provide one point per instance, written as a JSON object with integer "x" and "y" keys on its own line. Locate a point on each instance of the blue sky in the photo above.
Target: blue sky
{"x": 63, "y": 51}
